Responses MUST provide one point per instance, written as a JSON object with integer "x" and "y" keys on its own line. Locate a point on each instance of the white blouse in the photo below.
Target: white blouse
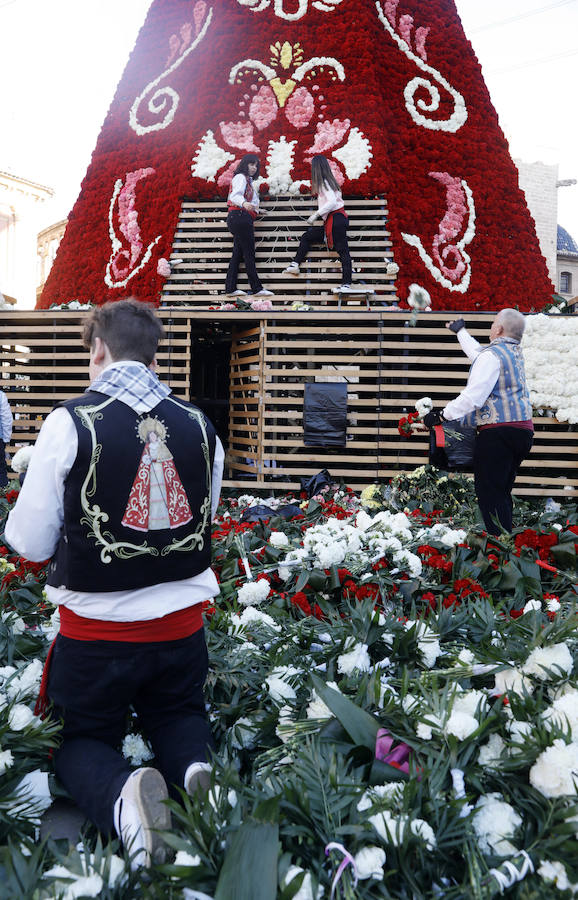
{"x": 328, "y": 201}
{"x": 237, "y": 192}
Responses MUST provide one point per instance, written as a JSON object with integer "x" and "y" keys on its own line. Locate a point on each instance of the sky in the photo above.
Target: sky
{"x": 62, "y": 60}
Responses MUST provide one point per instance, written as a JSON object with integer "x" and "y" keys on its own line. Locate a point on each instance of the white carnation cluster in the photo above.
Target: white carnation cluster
{"x": 551, "y": 363}
{"x": 253, "y": 593}
{"x": 427, "y": 641}
{"x": 495, "y": 822}
{"x": 356, "y": 543}
{"x": 555, "y": 772}
{"x": 392, "y": 828}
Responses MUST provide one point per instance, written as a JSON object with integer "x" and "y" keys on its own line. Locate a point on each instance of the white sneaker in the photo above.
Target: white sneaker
{"x": 237, "y": 293}
{"x": 140, "y": 812}
{"x": 198, "y": 778}
{"x": 292, "y": 269}
{"x": 264, "y": 293}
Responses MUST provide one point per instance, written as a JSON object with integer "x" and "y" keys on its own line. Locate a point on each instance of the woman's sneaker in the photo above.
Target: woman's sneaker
{"x": 264, "y": 293}
{"x": 140, "y": 813}
{"x": 237, "y": 293}
{"x": 292, "y": 269}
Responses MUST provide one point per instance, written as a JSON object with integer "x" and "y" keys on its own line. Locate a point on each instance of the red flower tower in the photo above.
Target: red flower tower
{"x": 390, "y": 91}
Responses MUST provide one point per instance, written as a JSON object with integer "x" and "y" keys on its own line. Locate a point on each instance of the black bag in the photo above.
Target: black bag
{"x": 325, "y": 415}
{"x": 451, "y": 446}
{"x": 314, "y": 483}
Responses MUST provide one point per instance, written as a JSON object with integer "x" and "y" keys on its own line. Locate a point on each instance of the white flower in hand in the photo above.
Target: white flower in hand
{"x": 423, "y": 406}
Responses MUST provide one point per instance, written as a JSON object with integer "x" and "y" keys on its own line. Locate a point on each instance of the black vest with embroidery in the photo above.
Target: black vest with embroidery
{"x": 137, "y": 500}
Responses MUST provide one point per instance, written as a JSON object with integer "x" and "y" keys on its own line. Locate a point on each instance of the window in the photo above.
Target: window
{"x": 565, "y": 282}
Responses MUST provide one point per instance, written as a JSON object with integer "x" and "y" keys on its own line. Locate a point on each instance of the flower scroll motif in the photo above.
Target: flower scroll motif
{"x": 401, "y": 30}
{"x": 283, "y": 93}
{"x": 279, "y": 7}
{"x": 125, "y": 263}
{"x": 163, "y": 101}
{"x": 448, "y": 262}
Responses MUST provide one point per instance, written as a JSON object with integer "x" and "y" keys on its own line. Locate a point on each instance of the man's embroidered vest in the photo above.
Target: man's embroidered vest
{"x": 137, "y": 500}
{"x": 509, "y": 400}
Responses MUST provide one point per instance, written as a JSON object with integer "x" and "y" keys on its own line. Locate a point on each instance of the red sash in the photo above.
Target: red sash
{"x": 174, "y": 627}
{"x": 329, "y": 225}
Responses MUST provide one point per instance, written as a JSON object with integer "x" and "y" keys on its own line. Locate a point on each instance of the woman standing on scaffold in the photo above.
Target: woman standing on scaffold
{"x": 243, "y": 206}
{"x": 334, "y": 230}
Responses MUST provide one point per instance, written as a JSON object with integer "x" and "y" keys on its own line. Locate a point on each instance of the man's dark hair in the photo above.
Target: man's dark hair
{"x": 129, "y": 328}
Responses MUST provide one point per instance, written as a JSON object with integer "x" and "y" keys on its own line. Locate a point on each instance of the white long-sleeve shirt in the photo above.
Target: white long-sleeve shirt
{"x": 481, "y": 381}
{"x": 35, "y": 524}
{"x": 5, "y": 418}
{"x": 237, "y": 192}
{"x": 328, "y": 201}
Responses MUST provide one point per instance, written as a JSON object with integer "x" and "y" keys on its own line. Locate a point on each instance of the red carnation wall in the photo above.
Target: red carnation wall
{"x": 218, "y": 79}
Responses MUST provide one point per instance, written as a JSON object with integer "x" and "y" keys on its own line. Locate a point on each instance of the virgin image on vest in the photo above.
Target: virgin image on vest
{"x": 137, "y": 500}
{"x": 509, "y": 400}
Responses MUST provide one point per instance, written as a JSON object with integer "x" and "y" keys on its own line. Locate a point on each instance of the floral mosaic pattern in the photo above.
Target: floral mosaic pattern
{"x": 389, "y": 91}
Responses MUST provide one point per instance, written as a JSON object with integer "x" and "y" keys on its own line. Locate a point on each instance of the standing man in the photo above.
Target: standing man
{"x": 5, "y": 435}
{"x": 120, "y": 494}
{"x": 497, "y": 401}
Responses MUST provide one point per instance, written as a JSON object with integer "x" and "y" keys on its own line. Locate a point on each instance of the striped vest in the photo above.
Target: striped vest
{"x": 509, "y": 400}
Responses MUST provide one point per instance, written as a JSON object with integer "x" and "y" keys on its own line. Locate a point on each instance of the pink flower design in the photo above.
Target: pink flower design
{"x": 124, "y": 260}
{"x": 450, "y": 260}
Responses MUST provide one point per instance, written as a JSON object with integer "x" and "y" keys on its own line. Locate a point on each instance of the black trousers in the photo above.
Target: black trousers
{"x": 240, "y": 224}
{"x": 316, "y": 235}
{"x": 497, "y": 457}
{"x": 3, "y": 468}
{"x": 94, "y": 684}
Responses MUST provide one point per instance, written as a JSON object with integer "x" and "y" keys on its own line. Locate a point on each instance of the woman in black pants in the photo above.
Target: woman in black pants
{"x": 243, "y": 205}
{"x": 335, "y": 221}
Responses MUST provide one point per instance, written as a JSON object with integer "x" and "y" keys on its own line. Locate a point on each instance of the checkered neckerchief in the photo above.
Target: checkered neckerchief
{"x": 134, "y": 384}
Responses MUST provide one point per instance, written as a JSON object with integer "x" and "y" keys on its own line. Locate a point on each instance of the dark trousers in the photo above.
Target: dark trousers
{"x": 3, "y": 468}
{"x": 497, "y": 457}
{"x": 94, "y": 684}
{"x": 316, "y": 235}
{"x": 240, "y": 224}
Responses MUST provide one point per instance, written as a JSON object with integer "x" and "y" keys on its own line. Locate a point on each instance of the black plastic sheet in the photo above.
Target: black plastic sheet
{"x": 325, "y": 415}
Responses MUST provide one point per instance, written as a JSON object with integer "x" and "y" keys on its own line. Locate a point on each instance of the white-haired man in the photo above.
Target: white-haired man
{"x": 496, "y": 400}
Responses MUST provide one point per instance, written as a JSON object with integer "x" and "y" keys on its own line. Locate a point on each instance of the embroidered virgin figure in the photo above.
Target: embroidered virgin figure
{"x": 157, "y": 498}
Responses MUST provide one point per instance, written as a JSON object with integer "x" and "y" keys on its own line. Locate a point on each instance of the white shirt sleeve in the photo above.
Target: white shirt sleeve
{"x": 237, "y": 192}
{"x": 218, "y": 465}
{"x": 5, "y": 418}
{"x": 471, "y": 347}
{"x": 34, "y": 525}
{"x": 328, "y": 201}
{"x": 483, "y": 376}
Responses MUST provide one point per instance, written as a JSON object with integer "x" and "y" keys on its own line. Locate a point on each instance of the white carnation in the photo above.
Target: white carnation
{"x": 511, "y": 681}
{"x": 369, "y": 863}
{"x": 461, "y": 725}
{"x": 555, "y": 772}
{"x": 279, "y": 687}
{"x": 278, "y": 539}
{"x": 423, "y": 406}
{"x": 356, "y": 660}
{"x": 21, "y": 459}
{"x": 20, "y": 717}
{"x": 555, "y": 873}
{"x": 490, "y": 755}
{"x": 495, "y": 821}
{"x": 252, "y": 616}
{"x": 136, "y": 750}
{"x": 532, "y": 605}
{"x": 316, "y": 708}
{"x": 26, "y": 682}
{"x": 564, "y": 712}
{"x": 305, "y": 892}
{"x": 557, "y": 658}
{"x": 185, "y": 859}
{"x": 6, "y": 760}
{"x": 391, "y": 828}
{"x": 253, "y": 593}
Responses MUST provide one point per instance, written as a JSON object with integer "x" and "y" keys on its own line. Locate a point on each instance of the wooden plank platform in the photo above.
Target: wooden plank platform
{"x": 202, "y": 250}
{"x": 248, "y": 371}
